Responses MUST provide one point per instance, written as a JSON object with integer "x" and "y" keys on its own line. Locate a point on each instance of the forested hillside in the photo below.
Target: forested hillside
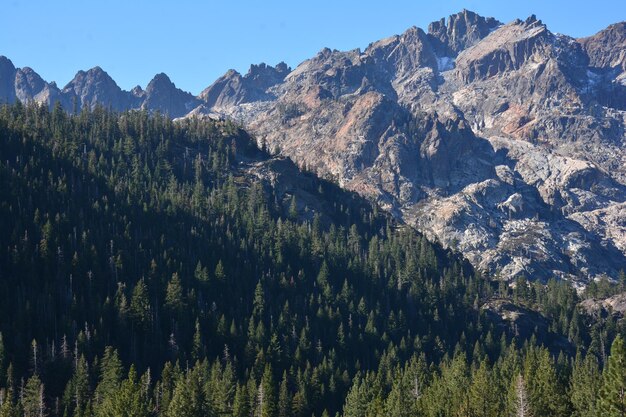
{"x": 147, "y": 270}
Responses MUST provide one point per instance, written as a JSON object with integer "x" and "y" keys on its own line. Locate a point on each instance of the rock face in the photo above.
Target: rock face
{"x": 91, "y": 88}
{"x": 233, "y": 88}
{"x": 505, "y": 142}
{"x": 162, "y": 95}
{"x": 614, "y": 305}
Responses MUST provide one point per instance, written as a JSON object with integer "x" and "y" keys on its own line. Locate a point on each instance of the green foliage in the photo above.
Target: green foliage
{"x": 134, "y": 242}
{"x": 612, "y": 399}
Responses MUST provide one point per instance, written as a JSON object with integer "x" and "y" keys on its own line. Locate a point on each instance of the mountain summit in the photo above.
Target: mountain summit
{"x": 505, "y": 142}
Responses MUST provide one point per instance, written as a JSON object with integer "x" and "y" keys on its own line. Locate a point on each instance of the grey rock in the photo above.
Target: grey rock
{"x": 162, "y": 95}
{"x": 95, "y": 87}
{"x": 486, "y": 137}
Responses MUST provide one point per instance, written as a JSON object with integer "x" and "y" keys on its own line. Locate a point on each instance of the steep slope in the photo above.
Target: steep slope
{"x": 96, "y": 87}
{"x": 162, "y": 95}
{"x": 92, "y": 88}
{"x": 494, "y": 139}
{"x": 505, "y": 142}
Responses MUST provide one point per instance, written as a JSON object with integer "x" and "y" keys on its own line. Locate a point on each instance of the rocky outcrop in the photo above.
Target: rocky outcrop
{"x": 462, "y": 30}
{"x": 614, "y": 305}
{"x": 162, "y": 95}
{"x": 7, "y": 80}
{"x": 488, "y": 138}
{"x": 606, "y": 49}
{"x": 92, "y": 88}
{"x": 26, "y": 85}
{"x": 233, "y": 88}
{"x": 95, "y": 87}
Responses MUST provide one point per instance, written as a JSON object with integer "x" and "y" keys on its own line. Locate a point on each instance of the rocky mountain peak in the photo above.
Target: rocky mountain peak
{"x": 461, "y": 31}
{"x": 7, "y": 78}
{"x": 137, "y": 91}
{"x": 606, "y": 49}
{"x": 484, "y": 136}
{"x": 162, "y": 95}
{"x": 96, "y": 87}
{"x": 160, "y": 81}
{"x": 263, "y": 76}
{"x": 233, "y": 88}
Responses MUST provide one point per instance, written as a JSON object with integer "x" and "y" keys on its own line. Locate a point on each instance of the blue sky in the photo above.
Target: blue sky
{"x": 194, "y": 42}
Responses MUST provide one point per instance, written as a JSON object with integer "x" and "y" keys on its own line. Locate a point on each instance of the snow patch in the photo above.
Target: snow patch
{"x": 592, "y": 78}
{"x": 445, "y": 63}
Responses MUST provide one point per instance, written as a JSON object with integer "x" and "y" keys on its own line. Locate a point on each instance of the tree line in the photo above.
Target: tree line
{"x": 143, "y": 271}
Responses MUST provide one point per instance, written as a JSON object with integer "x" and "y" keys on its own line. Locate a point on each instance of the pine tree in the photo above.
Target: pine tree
{"x": 612, "y": 401}
{"x": 77, "y": 393}
{"x": 140, "y": 305}
{"x": 241, "y": 402}
{"x": 197, "y": 349}
{"x": 401, "y": 402}
{"x": 189, "y": 398}
{"x": 483, "y": 393}
{"x": 220, "y": 274}
{"x": 547, "y": 396}
{"x": 284, "y": 398}
{"x": 129, "y": 400}
{"x": 259, "y": 300}
{"x": 293, "y": 208}
{"x": 111, "y": 372}
{"x": 33, "y": 404}
{"x": 174, "y": 294}
{"x": 266, "y": 397}
{"x": 585, "y": 385}
{"x": 522, "y": 406}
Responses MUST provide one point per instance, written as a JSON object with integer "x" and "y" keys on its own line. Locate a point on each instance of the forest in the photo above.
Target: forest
{"x": 144, "y": 272}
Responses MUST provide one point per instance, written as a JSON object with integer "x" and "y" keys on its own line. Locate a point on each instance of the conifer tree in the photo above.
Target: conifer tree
{"x": 585, "y": 385}
{"x": 612, "y": 399}
{"x": 111, "y": 373}
{"x": 32, "y": 398}
{"x": 140, "y": 305}
{"x": 174, "y": 294}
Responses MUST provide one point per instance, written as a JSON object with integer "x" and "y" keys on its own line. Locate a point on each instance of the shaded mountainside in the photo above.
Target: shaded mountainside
{"x": 236, "y": 284}
{"x": 505, "y": 142}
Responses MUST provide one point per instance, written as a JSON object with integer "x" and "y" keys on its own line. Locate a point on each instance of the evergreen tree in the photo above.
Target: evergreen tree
{"x": 266, "y": 397}
{"x": 140, "y": 305}
{"x": 129, "y": 400}
{"x": 174, "y": 294}
{"x": 585, "y": 385}
{"x": 189, "y": 398}
{"x": 612, "y": 401}
{"x": 111, "y": 374}
{"x": 32, "y": 398}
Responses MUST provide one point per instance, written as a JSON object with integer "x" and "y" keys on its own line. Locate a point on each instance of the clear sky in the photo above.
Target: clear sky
{"x": 195, "y": 42}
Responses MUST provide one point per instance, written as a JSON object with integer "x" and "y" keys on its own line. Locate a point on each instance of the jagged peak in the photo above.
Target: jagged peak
{"x": 282, "y": 67}
{"x": 160, "y": 80}
{"x": 231, "y": 73}
{"x": 4, "y": 61}
{"x": 460, "y": 31}
{"x": 137, "y": 91}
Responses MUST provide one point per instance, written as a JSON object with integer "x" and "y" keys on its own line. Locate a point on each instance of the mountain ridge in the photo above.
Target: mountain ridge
{"x": 503, "y": 141}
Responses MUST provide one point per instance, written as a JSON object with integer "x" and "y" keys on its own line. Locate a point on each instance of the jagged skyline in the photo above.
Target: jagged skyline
{"x": 193, "y": 43}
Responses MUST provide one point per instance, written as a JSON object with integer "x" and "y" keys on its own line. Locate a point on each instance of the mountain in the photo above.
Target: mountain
{"x": 92, "y": 88}
{"x": 504, "y": 142}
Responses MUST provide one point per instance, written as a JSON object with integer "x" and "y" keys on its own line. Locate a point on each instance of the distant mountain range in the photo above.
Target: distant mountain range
{"x": 506, "y": 142}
